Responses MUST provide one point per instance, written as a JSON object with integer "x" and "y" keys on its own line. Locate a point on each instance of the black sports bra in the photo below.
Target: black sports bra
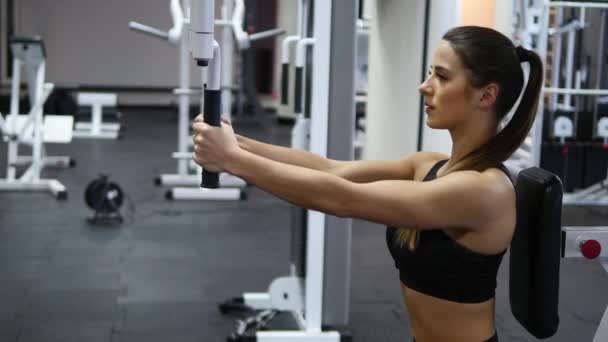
{"x": 441, "y": 267}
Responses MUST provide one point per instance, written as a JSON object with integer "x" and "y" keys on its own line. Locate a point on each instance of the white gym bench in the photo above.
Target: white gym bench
{"x": 33, "y": 129}
{"x": 96, "y": 128}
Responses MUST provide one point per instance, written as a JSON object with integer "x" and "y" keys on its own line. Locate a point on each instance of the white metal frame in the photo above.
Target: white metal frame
{"x": 184, "y": 183}
{"x": 285, "y": 111}
{"x": 305, "y": 296}
{"x": 300, "y": 133}
{"x": 300, "y": 139}
{"x": 33, "y": 129}
{"x": 96, "y": 128}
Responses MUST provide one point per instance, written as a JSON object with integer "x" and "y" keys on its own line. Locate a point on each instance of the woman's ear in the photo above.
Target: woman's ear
{"x": 488, "y": 96}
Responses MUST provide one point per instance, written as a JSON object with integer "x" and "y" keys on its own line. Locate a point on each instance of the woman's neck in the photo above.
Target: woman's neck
{"x": 466, "y": 139}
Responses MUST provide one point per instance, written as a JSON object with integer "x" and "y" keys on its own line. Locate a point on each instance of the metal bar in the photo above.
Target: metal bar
{"x": 3, "y": 43}
{"x": 40, "y": 98}
{"x": 570, "y": 66}
{"x": 576, "y": 4}
{"x": 227, "y": 46}
{"x": 38, "y": 106}
{"x": 266, "y": 34}
{"x": 184, "y": 103}
{"x": 569, "y": 27}
{"x": 13, "y": 146}
{"x": 589, "y": 92}
{"x": 151, "y": 31}
{"x": 537, "y": 128}
{"x": 318, "y": 144}
{"x": 600, "y": 68}
{"x": 557, "y": 61}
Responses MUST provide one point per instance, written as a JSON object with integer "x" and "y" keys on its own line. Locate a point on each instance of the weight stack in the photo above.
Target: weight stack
{"x": 566, "y": 161}
{"x": 595, "y": 163}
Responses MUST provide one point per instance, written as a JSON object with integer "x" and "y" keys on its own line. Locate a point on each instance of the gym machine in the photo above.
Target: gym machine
{"x": 577, "y": 242}
{"x": 184, "y": 182}
{"x": 315, "y": 295}
{"x": 233, "y": 12}
{"x": 33, "y": 129}
{"x": 96, "y": 128}
{"x": 565, "y": 117}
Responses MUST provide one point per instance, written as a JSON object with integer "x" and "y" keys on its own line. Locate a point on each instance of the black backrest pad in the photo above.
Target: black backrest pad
{"x": 535, "y": 252}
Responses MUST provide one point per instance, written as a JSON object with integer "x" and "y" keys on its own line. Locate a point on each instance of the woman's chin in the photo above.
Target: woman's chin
{"x": 432, "y": 123}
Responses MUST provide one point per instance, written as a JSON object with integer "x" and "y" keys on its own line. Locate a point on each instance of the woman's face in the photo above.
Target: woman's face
{"x": 448, "y": 95}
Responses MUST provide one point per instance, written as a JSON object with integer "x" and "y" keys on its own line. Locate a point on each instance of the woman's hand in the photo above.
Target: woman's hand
{"x": 213, "y": 146}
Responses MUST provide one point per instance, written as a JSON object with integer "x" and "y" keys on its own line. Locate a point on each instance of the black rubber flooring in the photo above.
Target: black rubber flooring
{"x": 160, "y": 276}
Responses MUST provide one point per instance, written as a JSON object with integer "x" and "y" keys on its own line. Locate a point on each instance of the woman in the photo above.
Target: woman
{"x": 450, "y": 218}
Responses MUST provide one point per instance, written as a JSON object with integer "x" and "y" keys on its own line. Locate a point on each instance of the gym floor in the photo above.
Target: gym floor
{"x": 160, "y": 276}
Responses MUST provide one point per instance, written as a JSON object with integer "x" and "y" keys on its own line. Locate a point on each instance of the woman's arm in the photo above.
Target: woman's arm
{"x": 359, "y": 171}
{"x": 463, "y": 199}
{"x": 286, "y": 155}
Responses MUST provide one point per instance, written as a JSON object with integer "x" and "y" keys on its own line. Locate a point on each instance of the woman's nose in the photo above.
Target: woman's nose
{"x": 425, "y": 88}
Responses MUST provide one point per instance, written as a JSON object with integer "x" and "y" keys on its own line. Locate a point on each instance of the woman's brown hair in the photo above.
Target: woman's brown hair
{"x": 490, "y": 57}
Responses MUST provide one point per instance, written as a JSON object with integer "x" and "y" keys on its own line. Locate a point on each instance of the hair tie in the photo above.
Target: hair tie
{"x": 522, "y": 53}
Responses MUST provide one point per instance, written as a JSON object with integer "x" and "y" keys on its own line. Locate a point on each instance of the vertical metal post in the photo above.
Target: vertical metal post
{"x": 184, "y": 102}
{"x": 537, "y": 128}
{"x": 341, "y": 136}
{"x": 227, "y": 55}
{"x": 600, "y": 68}
{"x": 556, "y": 62}
{"x": 3, "y": 40}
{"x": 37, "y": 146}
{"x": 318, "y": 145}
{"x": 570, "y": 67}
{"x": 13, "y": 145}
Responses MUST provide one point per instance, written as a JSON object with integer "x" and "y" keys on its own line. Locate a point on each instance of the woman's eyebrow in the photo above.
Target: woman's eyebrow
{"x": 440, "y": 68}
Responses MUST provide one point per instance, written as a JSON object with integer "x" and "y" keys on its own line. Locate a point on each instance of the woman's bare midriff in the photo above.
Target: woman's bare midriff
{"x": 436, "y": 320}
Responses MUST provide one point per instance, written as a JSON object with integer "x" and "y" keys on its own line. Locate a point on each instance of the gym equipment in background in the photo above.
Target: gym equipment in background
{"x": 105, "y": 198}
{"x": 33, "y": 129}
{"x": 590, "y": 242}
{"x": 566, "y": 85}
{"x": 185, "y": 183}
{"x": 313, "y": 298}
{"x": 95, "y": 127}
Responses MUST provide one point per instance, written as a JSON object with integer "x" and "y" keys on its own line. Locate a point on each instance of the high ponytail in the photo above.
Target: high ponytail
{"x": 500, "y": 147}
{"x": 490, "y": 57}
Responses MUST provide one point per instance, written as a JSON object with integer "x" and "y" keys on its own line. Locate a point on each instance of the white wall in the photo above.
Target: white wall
{"x": 504, "y": 17}
{"x": 395, "y": 61}
{"x": 89, "y": 42}
{"x": 395, "y": 73}
{"x": 444, "y": 15}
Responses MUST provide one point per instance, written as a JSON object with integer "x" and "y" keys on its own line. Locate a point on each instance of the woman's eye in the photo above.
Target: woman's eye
{"x": 439, "y": 76}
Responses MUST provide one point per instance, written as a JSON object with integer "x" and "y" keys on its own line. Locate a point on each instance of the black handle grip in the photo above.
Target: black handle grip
{"x": 298, "y": 90}
{"x": 211, "y": 116}
{"x": 285, "y": 84}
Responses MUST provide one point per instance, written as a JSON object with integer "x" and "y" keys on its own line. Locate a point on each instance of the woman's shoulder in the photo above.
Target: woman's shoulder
{"x": 423, "y": 162}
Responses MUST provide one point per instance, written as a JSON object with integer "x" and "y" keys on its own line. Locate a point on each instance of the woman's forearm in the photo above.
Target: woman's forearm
{"x": 303, "y": 187}
{"x": 286, "y": 155}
